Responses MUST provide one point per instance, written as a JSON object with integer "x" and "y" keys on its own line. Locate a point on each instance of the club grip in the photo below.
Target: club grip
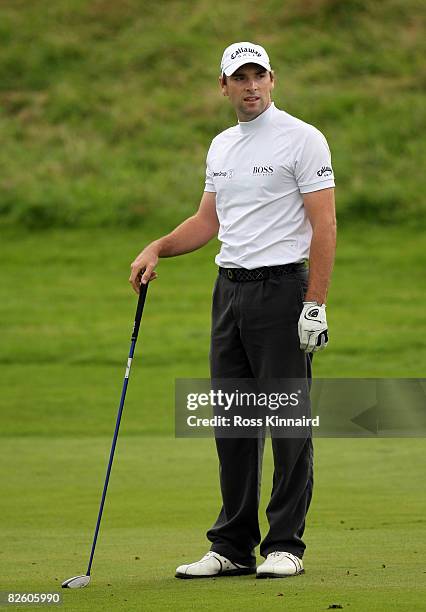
{"x": 139, "y": 310}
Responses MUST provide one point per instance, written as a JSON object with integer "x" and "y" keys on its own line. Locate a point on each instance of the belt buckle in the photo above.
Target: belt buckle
{"x": 230, "y": 274}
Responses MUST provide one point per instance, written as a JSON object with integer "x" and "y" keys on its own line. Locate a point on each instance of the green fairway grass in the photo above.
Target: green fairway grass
{"x": 366, "y": 528}
{"x": 66, "y": 312}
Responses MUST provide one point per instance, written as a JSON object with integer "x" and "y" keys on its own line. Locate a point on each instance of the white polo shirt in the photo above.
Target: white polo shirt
{"x": 259, "y": 170}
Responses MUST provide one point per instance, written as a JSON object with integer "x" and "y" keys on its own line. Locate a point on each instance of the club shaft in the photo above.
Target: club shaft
{"x": 135, "y": 332}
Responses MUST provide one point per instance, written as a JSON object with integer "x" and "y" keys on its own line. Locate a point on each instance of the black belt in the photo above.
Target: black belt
{"x": 242, "y": 275}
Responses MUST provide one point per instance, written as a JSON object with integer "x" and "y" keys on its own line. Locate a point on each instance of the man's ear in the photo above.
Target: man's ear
{"x": 272, "y": 73}
{"x": 223, "y": 85}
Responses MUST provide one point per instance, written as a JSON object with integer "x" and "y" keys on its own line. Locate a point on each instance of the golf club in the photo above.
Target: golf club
{"x": 77, "y": 582}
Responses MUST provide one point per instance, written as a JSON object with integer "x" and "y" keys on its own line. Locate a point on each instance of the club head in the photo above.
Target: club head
{"x": 78, "y": 582}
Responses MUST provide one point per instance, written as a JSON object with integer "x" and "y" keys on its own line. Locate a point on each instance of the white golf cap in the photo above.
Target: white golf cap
{"x": 241, "y": 53}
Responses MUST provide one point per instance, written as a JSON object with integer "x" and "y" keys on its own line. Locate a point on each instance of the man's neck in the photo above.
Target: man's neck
{"x": 246, "y": 119}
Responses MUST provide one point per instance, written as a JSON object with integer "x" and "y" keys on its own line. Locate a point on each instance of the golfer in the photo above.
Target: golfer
{"x": 269, "y": 197}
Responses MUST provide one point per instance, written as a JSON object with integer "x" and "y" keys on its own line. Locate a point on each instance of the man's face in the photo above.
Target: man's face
{"x": 249, "y": 90}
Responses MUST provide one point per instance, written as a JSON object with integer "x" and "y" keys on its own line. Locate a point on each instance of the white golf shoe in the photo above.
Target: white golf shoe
{"x": 280, "y": 565}
{"x": 211, "y": 565}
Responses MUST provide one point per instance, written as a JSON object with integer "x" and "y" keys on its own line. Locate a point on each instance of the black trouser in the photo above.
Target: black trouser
{"x": 254, "y": 334}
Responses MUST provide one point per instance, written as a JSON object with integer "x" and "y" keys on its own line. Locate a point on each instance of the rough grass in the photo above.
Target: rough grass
{"x": 107, "y": 109}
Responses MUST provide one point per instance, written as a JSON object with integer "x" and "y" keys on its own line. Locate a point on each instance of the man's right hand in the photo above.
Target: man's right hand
{"x": 143, "y": 267}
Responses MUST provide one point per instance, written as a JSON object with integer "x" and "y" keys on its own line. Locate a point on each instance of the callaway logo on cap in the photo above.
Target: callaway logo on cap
{"x": 241, "y": 53}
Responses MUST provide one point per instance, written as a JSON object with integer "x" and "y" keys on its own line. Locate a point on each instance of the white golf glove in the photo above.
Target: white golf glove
{"x": 313, "y": 330}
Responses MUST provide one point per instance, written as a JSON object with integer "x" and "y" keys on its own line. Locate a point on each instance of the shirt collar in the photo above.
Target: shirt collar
{"x": 260, "y": 121}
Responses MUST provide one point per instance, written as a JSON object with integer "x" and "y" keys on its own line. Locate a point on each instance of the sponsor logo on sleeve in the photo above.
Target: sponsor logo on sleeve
{"x": 224, "y": 173}
{"x": 325, "y": 171}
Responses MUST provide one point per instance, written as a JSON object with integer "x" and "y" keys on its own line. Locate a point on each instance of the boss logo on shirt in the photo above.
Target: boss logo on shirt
{"x": 325, "y": 171}
{"x": 263, "y": 170}
{"x": 225, "y": 173}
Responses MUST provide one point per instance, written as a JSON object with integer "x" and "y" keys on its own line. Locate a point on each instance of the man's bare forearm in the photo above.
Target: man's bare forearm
{"x": 189, "y": 236}
{"x": 321, "y": 261}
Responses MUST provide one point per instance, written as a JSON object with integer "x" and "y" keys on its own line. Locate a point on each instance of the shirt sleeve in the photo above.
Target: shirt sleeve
{"x": 313, "y": 169}
{"x": 209, "y": 175}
